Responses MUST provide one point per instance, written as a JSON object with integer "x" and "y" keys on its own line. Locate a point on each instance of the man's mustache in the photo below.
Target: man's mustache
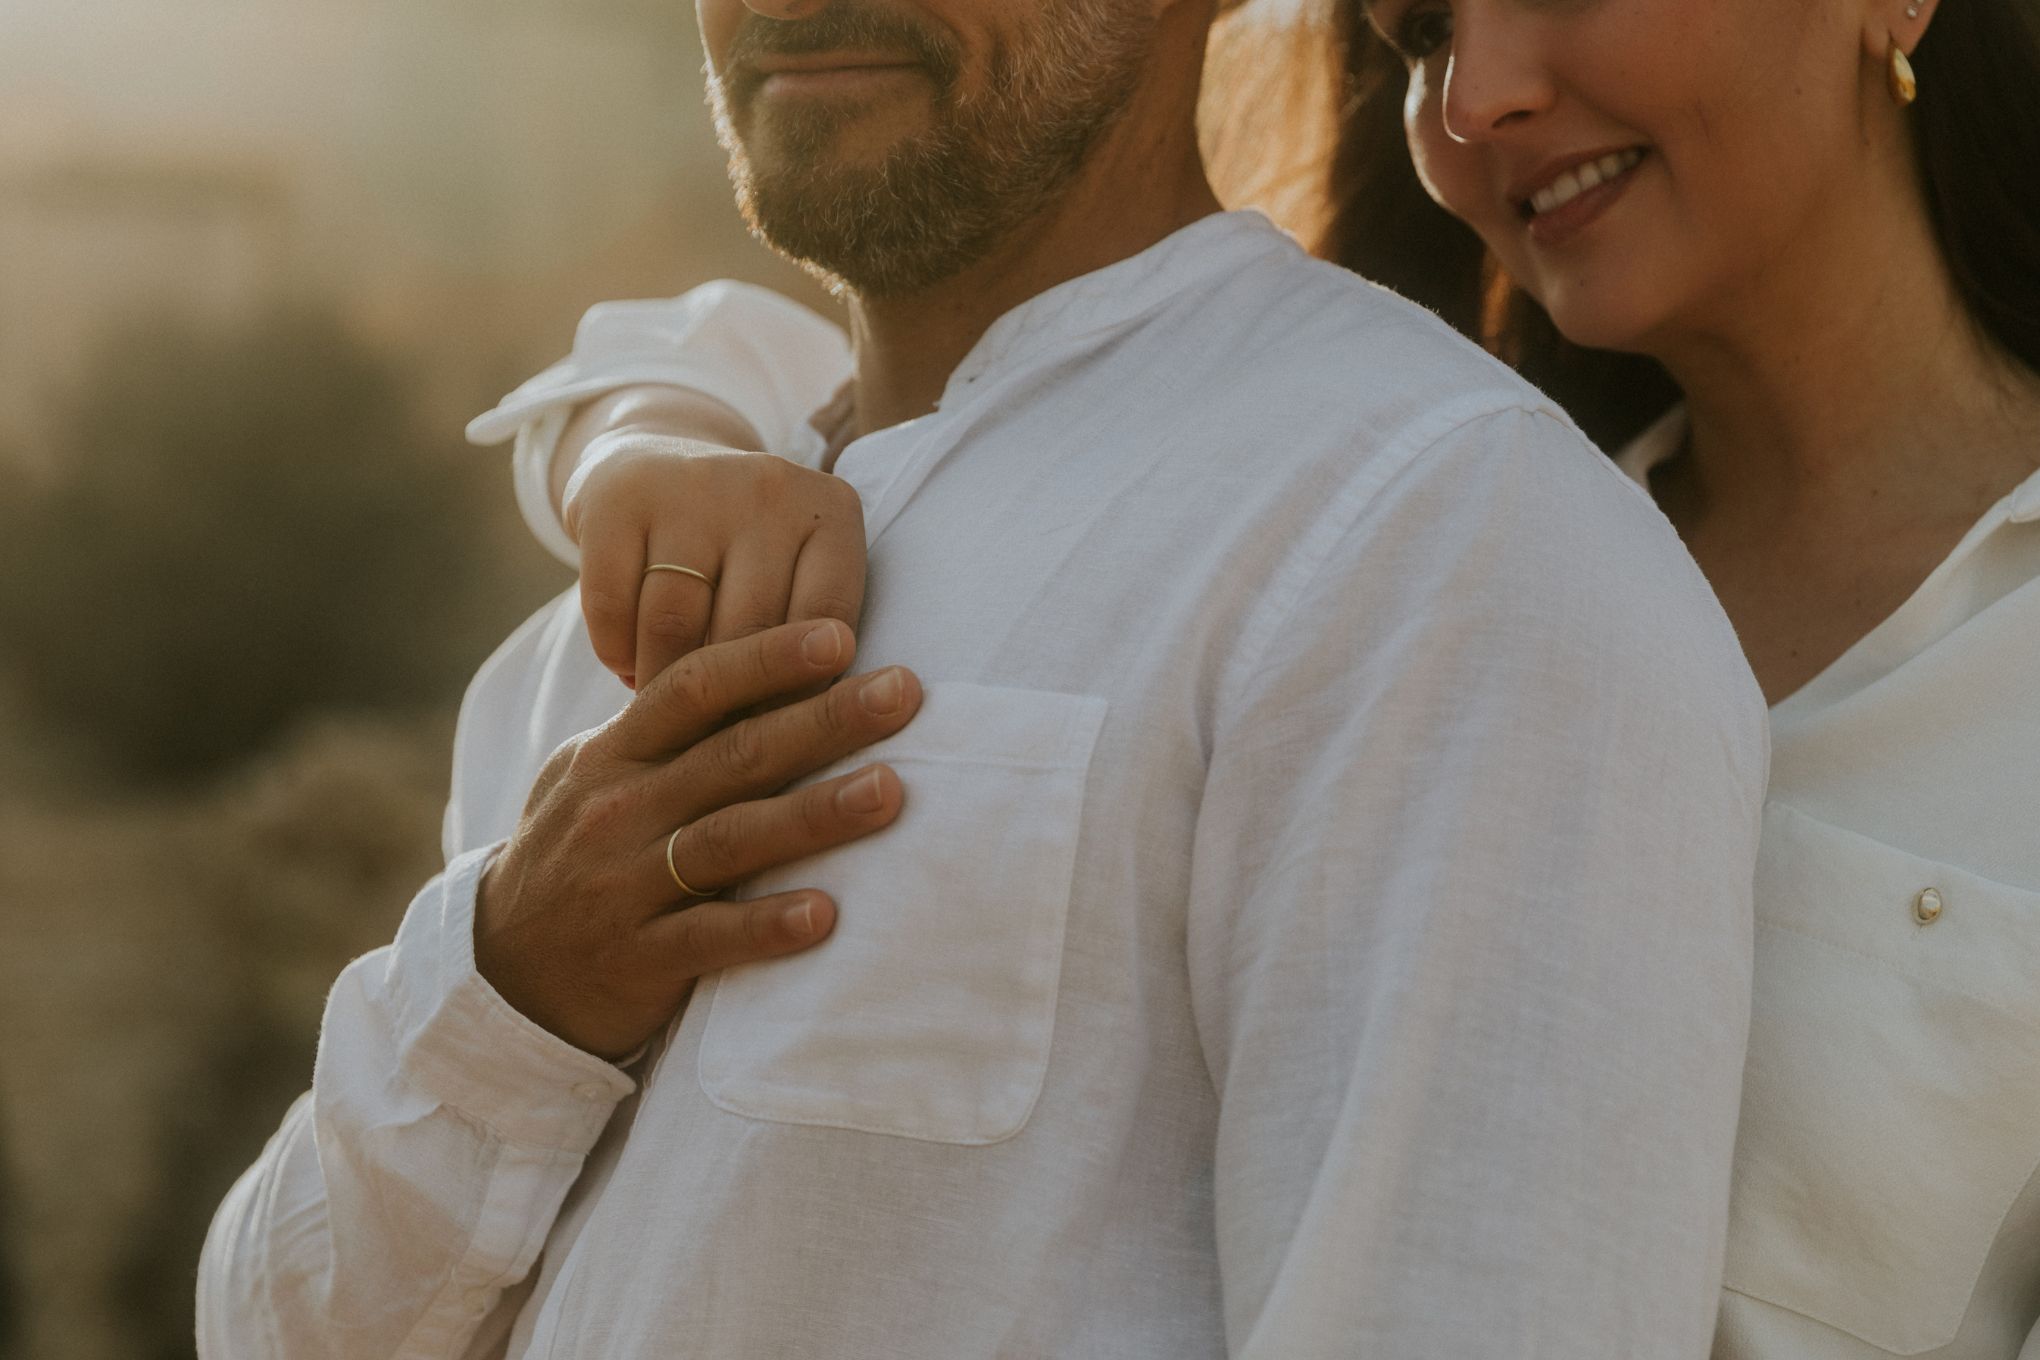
{"x": 847, "y": 25}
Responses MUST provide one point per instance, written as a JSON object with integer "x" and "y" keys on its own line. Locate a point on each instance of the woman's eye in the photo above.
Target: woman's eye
{"x": 1422, "y": 31}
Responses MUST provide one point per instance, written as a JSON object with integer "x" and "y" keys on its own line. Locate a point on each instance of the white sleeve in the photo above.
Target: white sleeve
{"x": 770, "y": 360}
{"x": 419, "y": 1179}
{"x": 1470, "y": 926}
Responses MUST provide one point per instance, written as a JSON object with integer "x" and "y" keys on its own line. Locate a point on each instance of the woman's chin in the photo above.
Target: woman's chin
{"x": 1602, "y": 322}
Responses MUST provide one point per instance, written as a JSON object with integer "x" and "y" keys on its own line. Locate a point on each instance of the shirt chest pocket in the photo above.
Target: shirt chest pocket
{"x": 928, "y": 1013}
{"x": 1891, "y": 1102}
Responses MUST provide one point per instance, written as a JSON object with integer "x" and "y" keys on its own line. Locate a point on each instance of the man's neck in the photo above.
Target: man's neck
{"x": 1138, "y": 188}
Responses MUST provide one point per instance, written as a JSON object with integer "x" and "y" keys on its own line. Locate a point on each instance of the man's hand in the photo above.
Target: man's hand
{"x": 653, "y": 483}
{"x": 580, "y": 924}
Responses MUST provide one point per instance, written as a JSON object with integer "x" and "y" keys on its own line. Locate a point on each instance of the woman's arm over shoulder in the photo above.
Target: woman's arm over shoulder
{"x": 676, "y": 436}
{"x": 754, "y": 360}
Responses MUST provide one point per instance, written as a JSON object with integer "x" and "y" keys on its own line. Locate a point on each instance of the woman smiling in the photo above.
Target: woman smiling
{"x": 1791, "y": 254}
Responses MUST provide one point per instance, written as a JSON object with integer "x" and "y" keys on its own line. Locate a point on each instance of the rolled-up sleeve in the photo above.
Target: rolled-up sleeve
{"x": 418, "y": 1179}
{"x": 1470, "y": 931}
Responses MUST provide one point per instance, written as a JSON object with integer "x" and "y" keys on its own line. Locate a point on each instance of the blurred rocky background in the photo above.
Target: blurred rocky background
{"x": 259, "y": 262}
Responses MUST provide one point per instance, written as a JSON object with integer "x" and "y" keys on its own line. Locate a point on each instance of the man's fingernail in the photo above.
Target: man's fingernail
{"x": 823, "y": 645}
{"x": 865, "y": 793}
{"x": 800, "y": 917}
{"x": 882, "y": 693}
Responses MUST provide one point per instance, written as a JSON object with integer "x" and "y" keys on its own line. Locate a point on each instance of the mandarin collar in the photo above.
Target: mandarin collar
{"x": 1074, "y": 311}
{"x": 1119, "y": 294}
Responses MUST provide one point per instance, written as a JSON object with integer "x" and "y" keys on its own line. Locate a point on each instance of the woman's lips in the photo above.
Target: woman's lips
{"x": 1568, "y": 203}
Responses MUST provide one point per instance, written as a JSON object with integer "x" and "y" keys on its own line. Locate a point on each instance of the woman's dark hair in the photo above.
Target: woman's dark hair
{"x": 1977, "y": 127}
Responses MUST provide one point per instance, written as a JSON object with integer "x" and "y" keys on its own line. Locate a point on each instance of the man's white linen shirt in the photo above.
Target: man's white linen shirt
{"x": 1319, "y": 925}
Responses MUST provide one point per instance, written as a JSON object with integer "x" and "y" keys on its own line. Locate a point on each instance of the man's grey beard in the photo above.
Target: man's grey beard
{"x": 944, "y": 199}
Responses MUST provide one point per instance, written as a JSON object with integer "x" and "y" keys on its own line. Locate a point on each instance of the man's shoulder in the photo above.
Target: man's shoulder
{"x": 1506, "y": 535}
{"x": 1326, "y": 384}
{"x": 1302, "y": 314}
{"x": 1320, "y": 377}
{"x": 1545, "y": 536}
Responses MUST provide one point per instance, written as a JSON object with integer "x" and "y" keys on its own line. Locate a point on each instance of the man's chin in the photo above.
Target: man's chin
{"x": 855, "y": 231}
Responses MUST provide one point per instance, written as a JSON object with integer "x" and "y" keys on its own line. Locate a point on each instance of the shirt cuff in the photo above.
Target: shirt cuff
{"x": 461, "y": 1043}
{"x": 770, "y": 360}
{"x": 531, "y": 473}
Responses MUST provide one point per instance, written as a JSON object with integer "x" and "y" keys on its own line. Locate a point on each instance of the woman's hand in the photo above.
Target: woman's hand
{"x": 658, "y": 476}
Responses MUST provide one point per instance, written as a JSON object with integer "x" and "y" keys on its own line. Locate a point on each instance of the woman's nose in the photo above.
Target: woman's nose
{"x": 1495, "y": 77}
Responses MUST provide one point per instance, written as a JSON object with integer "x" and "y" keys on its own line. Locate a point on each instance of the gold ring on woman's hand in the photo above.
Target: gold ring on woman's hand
{"x": 700, "y": 576}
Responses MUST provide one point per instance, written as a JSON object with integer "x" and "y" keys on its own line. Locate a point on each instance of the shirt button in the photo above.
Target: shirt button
{"x": 590, "y": 1092}
{"x": 1927, "y": 906}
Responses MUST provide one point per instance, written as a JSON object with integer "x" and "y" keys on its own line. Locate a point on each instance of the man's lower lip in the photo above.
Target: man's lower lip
{"x": 834, "y": 81}
{"x": 1562, "y": 224}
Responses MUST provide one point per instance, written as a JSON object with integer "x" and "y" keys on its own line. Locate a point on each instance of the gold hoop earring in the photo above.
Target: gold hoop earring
{"x": 1905, "y": 86}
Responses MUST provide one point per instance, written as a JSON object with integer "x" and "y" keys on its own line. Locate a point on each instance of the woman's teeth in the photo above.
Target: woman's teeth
{"x": 1581, "y": 178}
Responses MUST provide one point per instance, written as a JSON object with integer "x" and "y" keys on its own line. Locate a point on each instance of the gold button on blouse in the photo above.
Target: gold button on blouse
{"x": 1927, "y": 906}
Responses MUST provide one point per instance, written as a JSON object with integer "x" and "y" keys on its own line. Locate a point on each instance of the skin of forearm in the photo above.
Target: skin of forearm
{"x": 646, "y": 408}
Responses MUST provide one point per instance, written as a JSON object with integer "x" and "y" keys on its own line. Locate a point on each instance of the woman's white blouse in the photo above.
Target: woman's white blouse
{"x": 1886, "y": 1200}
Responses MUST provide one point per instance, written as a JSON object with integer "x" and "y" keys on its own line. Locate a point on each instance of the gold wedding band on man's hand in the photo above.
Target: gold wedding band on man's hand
{"x": 700, "y": 576}
{"x": 683, "y": 884}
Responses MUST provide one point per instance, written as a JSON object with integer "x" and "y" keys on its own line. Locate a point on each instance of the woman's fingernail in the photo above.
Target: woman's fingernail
{"x": 865, "y": 793}
{"x": 882, "y": 693}
{"x": 800, "y": 917}
{"x": 629, "y": 681}
{"x": 823, "y": 645}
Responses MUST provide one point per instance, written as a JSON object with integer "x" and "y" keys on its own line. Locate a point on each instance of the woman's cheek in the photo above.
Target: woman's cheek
{"x": 1422, "y": 132}
{"x": 1448, "y": 171}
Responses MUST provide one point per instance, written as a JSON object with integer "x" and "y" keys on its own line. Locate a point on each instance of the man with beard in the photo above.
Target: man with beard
{"x": 1311, "y": 914}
